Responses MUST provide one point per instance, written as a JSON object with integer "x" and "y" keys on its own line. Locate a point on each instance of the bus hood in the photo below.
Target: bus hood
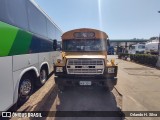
{"x": 85, "y": 56}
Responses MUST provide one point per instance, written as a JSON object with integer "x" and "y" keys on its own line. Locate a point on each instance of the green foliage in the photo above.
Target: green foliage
{"x": 144, "y": 59}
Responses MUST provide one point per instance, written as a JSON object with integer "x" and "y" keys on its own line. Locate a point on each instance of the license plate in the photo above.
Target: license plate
{"x": 85, "y": 83}
{"x": 111, "y": 70}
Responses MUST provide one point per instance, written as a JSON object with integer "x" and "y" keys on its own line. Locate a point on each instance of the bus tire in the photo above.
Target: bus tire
{"x": 25, "y": 89}
{"x": 42, "y": 78}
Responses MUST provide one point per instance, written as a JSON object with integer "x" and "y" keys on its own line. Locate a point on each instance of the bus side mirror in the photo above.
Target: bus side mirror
{"x": 108, "y": 42}
{"x": 54, "y": 44}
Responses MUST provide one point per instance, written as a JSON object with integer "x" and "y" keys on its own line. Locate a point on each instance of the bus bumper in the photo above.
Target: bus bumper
{"x": 74, "y": 81}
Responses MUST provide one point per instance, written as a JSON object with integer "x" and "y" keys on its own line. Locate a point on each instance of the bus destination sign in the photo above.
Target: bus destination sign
{"x": 84, "y": 34}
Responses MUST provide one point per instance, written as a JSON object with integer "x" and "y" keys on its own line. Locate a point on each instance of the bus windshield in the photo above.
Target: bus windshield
{"x": 133, "y": 47}
{"x": 141, "y": 46}
{"x": 84, "y": 45}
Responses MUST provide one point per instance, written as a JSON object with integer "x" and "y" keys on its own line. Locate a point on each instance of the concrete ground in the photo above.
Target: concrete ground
{"x": 140, "y": 87}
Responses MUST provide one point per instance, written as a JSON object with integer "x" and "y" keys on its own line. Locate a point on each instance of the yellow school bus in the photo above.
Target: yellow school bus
{"x": 84, "y": 60}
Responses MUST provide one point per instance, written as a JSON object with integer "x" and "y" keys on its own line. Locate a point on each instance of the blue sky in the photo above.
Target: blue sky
{"x": 120, "y": 19}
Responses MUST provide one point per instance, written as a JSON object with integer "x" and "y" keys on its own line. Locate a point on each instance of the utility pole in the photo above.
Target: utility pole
{"x": 158, "y": 62}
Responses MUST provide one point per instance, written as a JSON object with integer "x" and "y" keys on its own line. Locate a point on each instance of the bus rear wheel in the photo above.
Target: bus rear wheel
{"x": 25, "y": 89}
{"x": 42, "y": 78}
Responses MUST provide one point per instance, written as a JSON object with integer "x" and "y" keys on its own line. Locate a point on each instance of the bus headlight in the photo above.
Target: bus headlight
{"x": 59, "y": 69}
{"x": 112, "y": 61}
{"x": 59, "y": 60}
{"x": 111, "y": 70}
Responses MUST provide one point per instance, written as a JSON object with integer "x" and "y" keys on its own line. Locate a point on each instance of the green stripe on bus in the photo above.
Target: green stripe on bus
{"x": 21, "y": 43}
{"x": 7, "y": 36}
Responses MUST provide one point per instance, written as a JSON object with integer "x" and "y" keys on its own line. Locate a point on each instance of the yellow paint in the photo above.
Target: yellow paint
{"x": 99, "y": 54}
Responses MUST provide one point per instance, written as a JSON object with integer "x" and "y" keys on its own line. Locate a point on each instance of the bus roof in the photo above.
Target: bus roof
{"x": 97, "y": 34}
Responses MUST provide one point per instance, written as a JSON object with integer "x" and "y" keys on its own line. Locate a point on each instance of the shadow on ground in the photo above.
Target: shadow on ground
{"x": 87, "y": 100}
{"x": 77, "y": 100}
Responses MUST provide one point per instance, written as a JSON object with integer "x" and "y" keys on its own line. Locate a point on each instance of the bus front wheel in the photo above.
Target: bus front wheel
{"x": 25, "y": 89}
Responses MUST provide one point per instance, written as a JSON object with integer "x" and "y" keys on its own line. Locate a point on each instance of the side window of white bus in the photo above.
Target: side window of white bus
{"x": 37, "y": 21}
{"x": 14, "y": 12}
{"x": 51, "y": 30}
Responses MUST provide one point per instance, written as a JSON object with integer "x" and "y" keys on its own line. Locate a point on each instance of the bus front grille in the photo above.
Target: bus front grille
{"x": 85, "y": 66}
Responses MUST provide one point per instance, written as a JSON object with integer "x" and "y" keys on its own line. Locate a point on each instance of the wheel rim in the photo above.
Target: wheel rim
{"x": 26, "y": 87}
{"x": 43, "y": 76}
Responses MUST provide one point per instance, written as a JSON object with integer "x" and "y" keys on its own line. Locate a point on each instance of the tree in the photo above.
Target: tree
{"x": 153, "y": 38}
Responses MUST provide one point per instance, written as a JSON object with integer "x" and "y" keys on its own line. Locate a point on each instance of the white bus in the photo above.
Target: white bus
{"x": 28, "y": 40}
{"x": 137, "y": 49}
{"x": 152, "y": 46}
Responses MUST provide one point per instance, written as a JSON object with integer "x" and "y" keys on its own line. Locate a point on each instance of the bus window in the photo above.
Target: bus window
{"x": 141, "y": 47}
{"x": 12, "y": 14}
{"x": 37, "y": 21}
{"x": 84, "y": 45}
